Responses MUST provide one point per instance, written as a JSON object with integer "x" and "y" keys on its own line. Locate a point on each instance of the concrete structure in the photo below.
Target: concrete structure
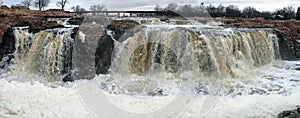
{"x": 18, "y": 6}
{"x": 132, "y": 13}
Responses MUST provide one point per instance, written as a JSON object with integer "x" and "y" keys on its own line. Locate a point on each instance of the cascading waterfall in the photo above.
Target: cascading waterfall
{"x": 47, "y": 52}
{"x": 205, "y": 52}
{"x": 222, "y": 53}
{"x": 156, "y": 55}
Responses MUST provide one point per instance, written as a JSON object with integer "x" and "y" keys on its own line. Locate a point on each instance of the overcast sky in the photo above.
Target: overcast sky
{"x": 261, "y": 5}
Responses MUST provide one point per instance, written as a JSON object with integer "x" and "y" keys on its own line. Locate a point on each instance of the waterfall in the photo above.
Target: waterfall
{"x": 47, "y": 52}
{"x": 204, "y": 51}
{"x": 155, "y": 53}
{"x": 209, "y": 52}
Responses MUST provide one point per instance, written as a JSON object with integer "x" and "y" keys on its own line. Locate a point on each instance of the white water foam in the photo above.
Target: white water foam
{"x": 34, "y": 99}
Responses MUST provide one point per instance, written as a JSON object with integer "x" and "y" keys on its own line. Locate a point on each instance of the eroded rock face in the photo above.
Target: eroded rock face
{"x": 289, "y": 47}
{"x": 7, "y": 45}
{"x": 122, "y": 30}
{"x": 84, "y": 50}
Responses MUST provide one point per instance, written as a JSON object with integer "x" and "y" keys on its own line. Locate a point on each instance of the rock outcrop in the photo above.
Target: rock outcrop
{"x": 7, "y": 46}
{"x": 122, "y": 29}
{"x": 289, "y": 47}
{"x": 290, "y": 113}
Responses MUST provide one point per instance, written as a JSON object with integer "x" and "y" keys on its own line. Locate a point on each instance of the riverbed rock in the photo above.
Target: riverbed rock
{"x": 290, "y": 113}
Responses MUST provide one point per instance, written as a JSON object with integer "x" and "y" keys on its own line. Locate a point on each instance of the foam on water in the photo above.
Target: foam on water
{"x": 277, "y": 78}
{"x": 272, "y": 89}
{"x": 37, "y": 100}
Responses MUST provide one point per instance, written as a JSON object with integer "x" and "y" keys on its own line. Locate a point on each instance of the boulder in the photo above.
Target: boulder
{"x": 7, "y": 45}
{"x": 122, "y": 29}
{"x": 289, "y": 48}
{"x": 76, "y": 20}
{"x": 290, "y": 113}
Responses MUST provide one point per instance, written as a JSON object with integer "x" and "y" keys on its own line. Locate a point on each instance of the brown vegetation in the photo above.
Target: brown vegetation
{"x": 36, "y": 20}
{"x": 290, "y": 28}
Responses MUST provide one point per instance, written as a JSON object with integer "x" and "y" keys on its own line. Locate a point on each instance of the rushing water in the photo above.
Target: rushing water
{"x": 162, "y": 59}
{"x": 47, "y": 52}
{"x": 155, "y": 55}
{"x": 161, "y": 54}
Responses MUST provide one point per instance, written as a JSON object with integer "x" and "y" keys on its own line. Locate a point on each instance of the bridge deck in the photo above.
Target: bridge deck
{"x": 161, "y": 13}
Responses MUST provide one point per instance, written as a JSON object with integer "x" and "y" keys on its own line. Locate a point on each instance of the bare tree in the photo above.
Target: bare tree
{"x": 62, "y": 3}
{"x": 77, "y": 9}
{"x": 158, "y": 8}
{"x": 98, "y": 7}
{"x": 172, "y": 7}
{"x": 41, "y": 4}
{"x": 298, "y": 14}
{"x": 250, "y": 12}
{"x": 266, "y": 14}
{"x": 1, "y": 2}
{"x": 27, "y": 3}
{"x": 287, "y": 12}
{"x": 232, "y": 11}
{"x": 186, "y": 10}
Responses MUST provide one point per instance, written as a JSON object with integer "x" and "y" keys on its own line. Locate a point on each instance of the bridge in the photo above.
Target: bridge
{"x": 133, "y": 13}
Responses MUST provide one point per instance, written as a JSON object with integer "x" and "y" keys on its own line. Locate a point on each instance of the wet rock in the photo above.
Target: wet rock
{"x": 122, "y": 29}
{"x": 285, "y": 114}
{"x": 290, "y": 113}
{"x": 76, "y": 20}
{"x": 158, "y": 92}
{"x": 288, "y": 47}
{"x": 68, "y": 78}
{"x": 298, "y": 109}
{"x": 7, "y": 45}
{"x": 297, "y": 115}
{"x": 84, "y": 49}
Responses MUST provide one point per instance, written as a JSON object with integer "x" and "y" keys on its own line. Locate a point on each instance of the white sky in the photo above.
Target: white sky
{"x": 261, "y": 5}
